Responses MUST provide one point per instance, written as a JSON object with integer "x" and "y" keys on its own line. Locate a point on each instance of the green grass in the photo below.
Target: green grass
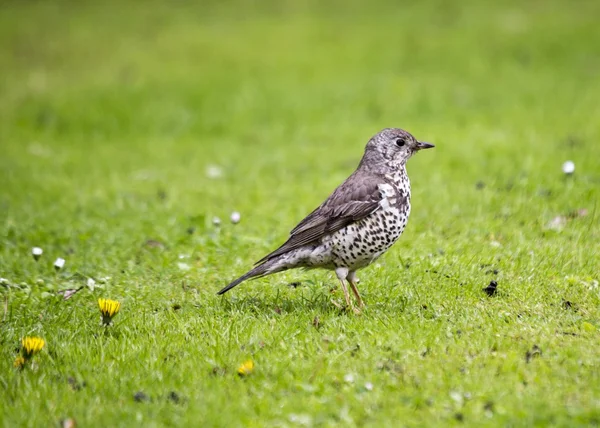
{"x": 109, "y": 118}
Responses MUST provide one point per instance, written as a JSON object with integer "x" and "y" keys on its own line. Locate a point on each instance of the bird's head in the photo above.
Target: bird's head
{"x": 391, "y": 147}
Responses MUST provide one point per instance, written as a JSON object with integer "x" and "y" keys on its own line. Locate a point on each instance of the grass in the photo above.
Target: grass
{"x": 110, "y": 116}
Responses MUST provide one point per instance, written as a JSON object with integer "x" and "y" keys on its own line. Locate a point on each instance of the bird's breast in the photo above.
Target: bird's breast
{"x": 395, "y": 193}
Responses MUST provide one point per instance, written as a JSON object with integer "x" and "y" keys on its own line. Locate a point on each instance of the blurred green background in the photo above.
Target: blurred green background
{"x": 113, "y": 115}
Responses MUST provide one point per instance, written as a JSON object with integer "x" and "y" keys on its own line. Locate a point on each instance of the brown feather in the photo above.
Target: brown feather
{"x": 352, "y": 201}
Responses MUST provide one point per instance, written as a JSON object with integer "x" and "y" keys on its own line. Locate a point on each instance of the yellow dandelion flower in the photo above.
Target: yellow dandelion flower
{"x": 108, "y": 309}
{"x": 19, "y": 362}
{"x": 31, "y": 346}
{"x": 246, "y": 368}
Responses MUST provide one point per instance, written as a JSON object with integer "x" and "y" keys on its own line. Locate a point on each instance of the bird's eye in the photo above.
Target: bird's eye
{"x": 400, "y": 142}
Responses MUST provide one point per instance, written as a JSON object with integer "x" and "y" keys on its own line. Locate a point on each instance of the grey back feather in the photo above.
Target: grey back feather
{"x": 353, "y": 200}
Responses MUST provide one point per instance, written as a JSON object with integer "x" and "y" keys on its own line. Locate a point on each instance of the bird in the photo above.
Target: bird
{"x": 357, "y": 223}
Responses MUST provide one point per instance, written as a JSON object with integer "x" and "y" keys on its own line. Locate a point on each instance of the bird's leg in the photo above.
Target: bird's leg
{"x": 346, "y": 294}
{"x": 342, "y": 274}
{"x": 353, "y": 280}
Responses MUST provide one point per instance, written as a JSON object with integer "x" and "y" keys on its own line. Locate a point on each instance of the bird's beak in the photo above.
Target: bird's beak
{"x": 423, "y": 145}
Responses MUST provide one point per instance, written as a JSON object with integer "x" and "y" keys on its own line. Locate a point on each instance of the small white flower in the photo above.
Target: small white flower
{"x": 214, "y": 171}
{"x": 183, "y": 266}
{"x": 349, "y": 378}
{"x": 369, "y": 386}
{"x": 557, "y": 223}
{"x": 457, "y": 397}
{"x": 36, "y": 252}
{"x": 568, "y": 167}
{"x": 235, "y": 217}
{"x": 301, "y": 419}
{"x": 216, "y": 221}
{"x": 4, "y": 281}
{"x": 59, "y": 263}
{"x": 91, "y": 284}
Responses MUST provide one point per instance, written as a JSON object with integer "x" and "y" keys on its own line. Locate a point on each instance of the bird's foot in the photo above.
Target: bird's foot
{"x": 346, "y": 308}
{"x": 337, "y": 305}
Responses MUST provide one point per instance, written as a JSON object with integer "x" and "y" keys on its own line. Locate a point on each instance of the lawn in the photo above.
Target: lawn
{"x": 127, "y": 127}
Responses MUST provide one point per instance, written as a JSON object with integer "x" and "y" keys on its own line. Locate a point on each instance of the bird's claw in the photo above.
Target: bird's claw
{"x": 337, "y": 305}
{"x": 346, "y": 308}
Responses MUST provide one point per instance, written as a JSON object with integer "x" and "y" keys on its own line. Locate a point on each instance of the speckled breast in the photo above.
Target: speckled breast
{"x": 361, "y": 243}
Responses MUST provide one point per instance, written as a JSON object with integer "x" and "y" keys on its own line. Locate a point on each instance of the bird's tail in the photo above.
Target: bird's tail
{"x": 270, "y": 266}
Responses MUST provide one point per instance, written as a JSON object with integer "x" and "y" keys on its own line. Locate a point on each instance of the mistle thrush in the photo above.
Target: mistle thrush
{"x": 358, "y": 222}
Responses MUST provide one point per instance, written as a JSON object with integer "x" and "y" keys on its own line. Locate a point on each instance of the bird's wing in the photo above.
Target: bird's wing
{"x": 352, "y": 201}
